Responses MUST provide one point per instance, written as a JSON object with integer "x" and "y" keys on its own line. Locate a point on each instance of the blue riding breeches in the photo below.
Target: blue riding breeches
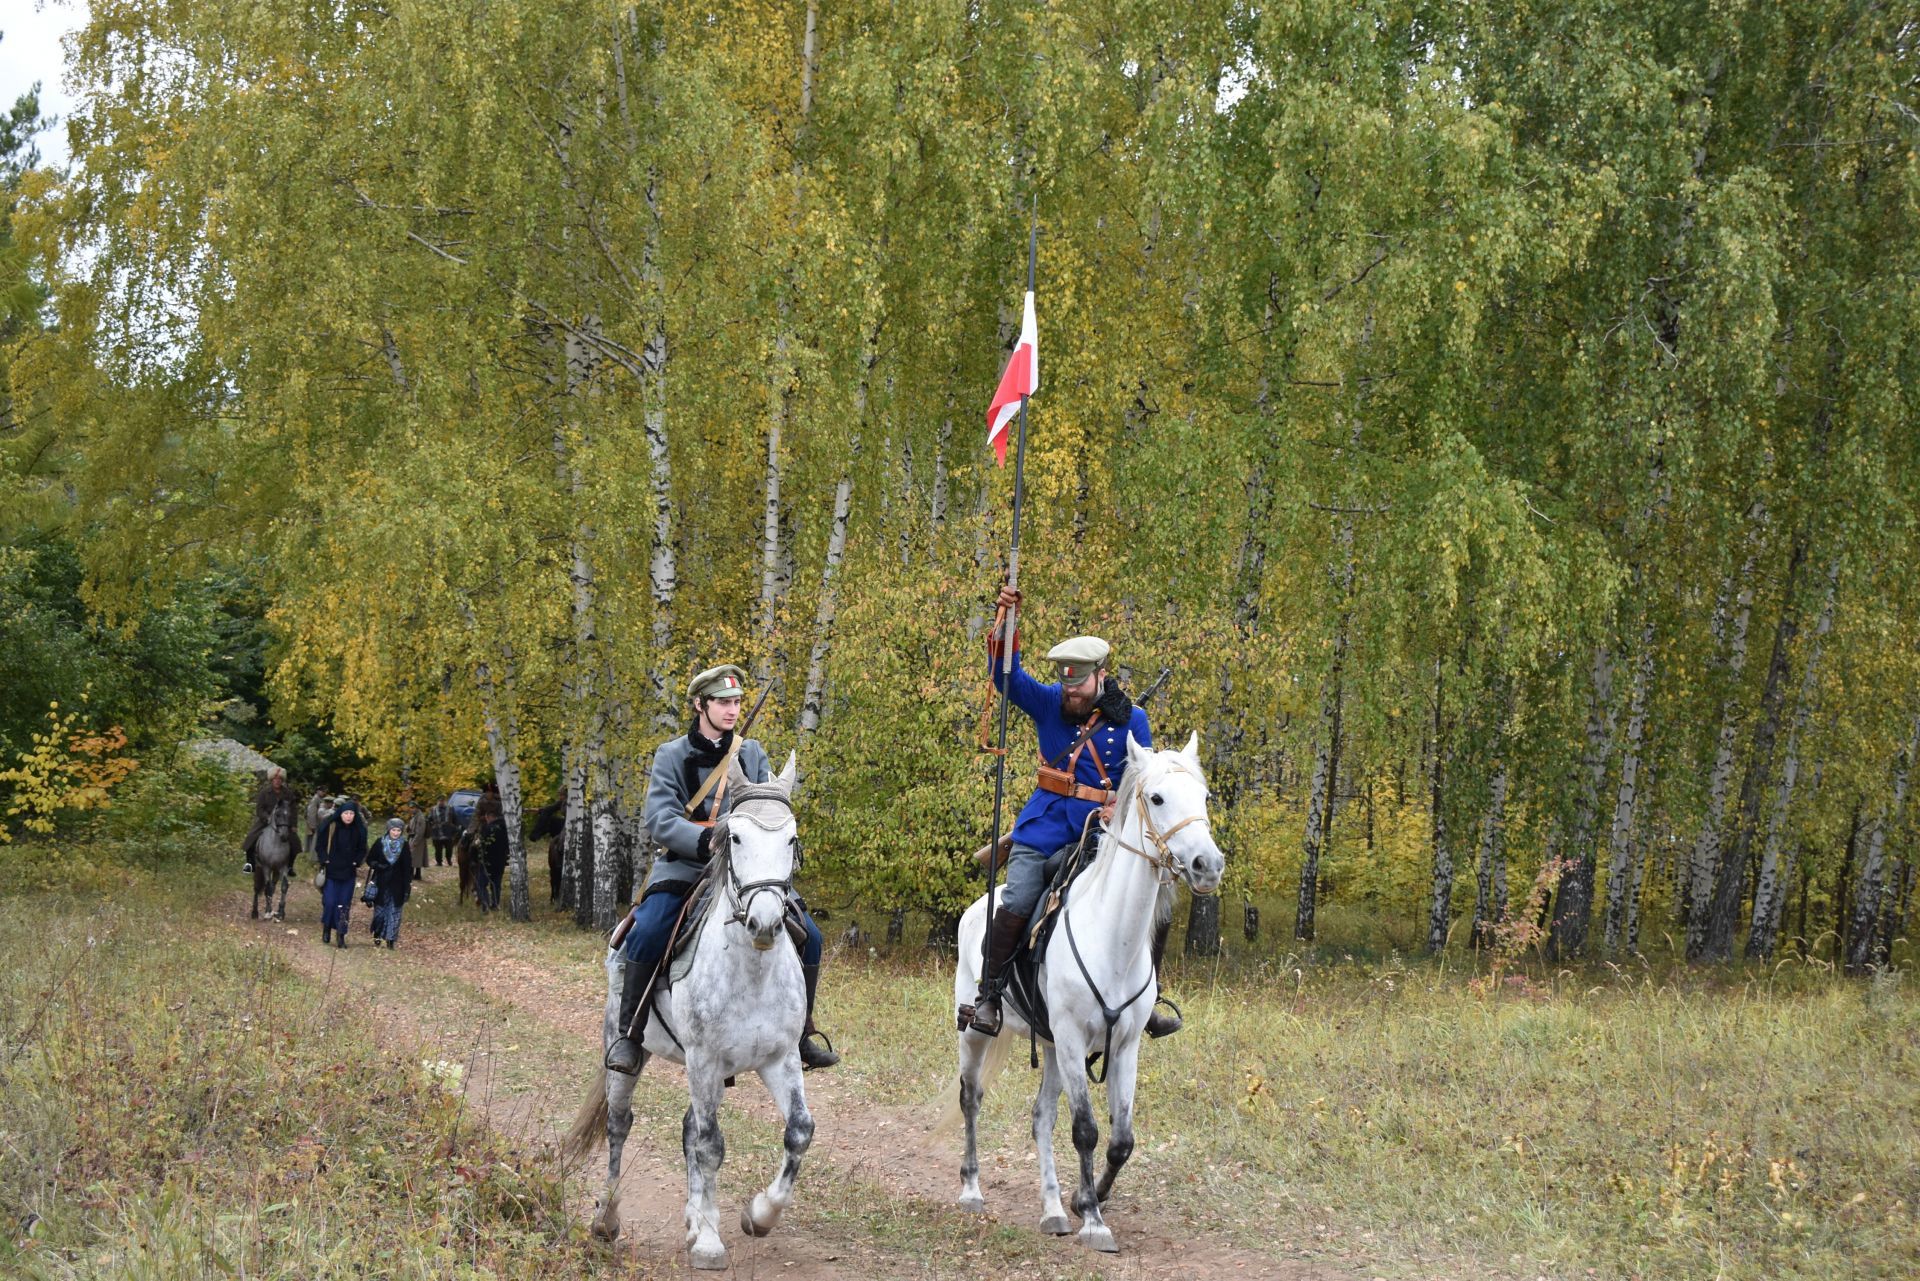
{"x": 653, "y": 918}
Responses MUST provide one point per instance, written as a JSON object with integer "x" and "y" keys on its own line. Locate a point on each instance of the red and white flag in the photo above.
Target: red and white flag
{"x": 1022, "y": 378}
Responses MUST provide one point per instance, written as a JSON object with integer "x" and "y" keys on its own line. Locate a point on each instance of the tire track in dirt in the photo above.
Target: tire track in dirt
{"x": 531, "y": 1044}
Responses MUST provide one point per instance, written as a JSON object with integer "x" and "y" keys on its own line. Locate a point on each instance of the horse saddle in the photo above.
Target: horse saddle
{"x": 1023, "y": 988}
{"x": 683, "y": 942}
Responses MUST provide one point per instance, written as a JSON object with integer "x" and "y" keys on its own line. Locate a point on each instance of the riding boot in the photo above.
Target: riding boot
{"x": 1009, "y": 931}
{"x": 625, "y": 1055}
{"x": 812, "y": 1055}
{"x": 1159, "y": 1024}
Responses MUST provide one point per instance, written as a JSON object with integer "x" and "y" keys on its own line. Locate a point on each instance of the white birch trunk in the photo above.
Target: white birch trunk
{"x": 982, "y": 557}
{"x": 1643, "y": 855}
{"x": 1768, "y": 899}
{"x": 1440, "y": 916}
{"x": 496, "y": 714}
{"x": 773, "y": 554}
{"x": 1620, "y": 847}
{"x": 1326, "y": 755}
{"x": 938, "y": 510}
{"x": 1487, "y": 910}
{"x": 828, "y": 608}
{"x": 1705, "y": 858}
{"x": 1326, "y": 763}
{"x": 1573, "y": 908}
{"x": 1871, "y": 885}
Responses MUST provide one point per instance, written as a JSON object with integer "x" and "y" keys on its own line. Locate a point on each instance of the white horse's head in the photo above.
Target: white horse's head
{"x": 759, "y": 843}
{"x": 1168, "y": 797}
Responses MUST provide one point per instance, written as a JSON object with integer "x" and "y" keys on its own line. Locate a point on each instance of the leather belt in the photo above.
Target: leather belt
{"x": 1061, "y": 783}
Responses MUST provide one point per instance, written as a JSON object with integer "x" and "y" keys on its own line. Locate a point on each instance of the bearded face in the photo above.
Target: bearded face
{"x": 1077, "y": 699}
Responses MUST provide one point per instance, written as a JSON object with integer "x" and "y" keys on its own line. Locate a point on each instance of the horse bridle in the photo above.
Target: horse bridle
{"x": 742, "y": 894}
{"x": 1161, "y": 856}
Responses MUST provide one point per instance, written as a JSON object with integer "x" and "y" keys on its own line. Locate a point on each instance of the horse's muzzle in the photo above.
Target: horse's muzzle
{"x": 1206, "y": 872}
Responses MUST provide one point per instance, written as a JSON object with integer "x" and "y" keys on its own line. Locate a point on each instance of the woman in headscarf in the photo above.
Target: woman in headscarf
{"x": 341, "y": 848}
{"x": 390, "y": 868}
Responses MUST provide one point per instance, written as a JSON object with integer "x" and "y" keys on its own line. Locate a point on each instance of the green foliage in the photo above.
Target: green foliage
{"x": 1463, "y": 343}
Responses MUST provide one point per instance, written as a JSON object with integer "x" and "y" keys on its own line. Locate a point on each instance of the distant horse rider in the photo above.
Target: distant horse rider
{"x": 265, "y": 801}
{"x": 1068, "y": 792}
{"x": 685, "y": 793}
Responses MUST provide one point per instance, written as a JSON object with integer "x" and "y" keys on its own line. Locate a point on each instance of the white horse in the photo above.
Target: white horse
{"x": 1099, "y": 954}
{"x": 740, "y": 1008}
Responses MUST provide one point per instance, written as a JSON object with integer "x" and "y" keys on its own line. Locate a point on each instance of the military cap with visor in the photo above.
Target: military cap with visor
{"x": 724, "y": 681}
{"x": 1079, "y": 658}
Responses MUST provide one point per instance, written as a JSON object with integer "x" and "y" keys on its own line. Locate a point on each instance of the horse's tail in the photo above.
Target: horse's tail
{"x": 589, "y": 1124}
{"x": 949, "y": 1119}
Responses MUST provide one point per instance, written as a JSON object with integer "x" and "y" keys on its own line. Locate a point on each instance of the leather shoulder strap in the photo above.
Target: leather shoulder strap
{"x": 716, "y": 778}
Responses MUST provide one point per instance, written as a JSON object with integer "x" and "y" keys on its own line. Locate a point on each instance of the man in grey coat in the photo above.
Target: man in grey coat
{"x": 685, "y": 793}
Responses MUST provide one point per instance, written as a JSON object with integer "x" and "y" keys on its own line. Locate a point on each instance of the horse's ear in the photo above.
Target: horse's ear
{"x": 1192, "y": 750}
{"x": 736, "y": 777}
{"x": 1136, "y": 754}
{"x": 789, "y": 773}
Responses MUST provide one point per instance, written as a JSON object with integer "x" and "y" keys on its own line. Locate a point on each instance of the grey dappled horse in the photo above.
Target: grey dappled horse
{"x": 273, "y": 852}
{"x": 740, "y": 1008}
{"x": 1097, "y": 973}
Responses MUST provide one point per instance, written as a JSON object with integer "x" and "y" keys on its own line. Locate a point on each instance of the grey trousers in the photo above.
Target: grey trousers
{"x": 1027, "y": 874}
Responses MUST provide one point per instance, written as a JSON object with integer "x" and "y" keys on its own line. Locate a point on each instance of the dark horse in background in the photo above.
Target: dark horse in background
{"x": 551, "y": 821}
{"x": 273, "y": 852}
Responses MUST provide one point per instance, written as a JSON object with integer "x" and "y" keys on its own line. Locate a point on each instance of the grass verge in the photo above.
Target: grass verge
{"x": 178, "y": 1105}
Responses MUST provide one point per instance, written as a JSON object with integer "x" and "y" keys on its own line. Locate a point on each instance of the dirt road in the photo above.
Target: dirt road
{"x": 875, "y": 1197}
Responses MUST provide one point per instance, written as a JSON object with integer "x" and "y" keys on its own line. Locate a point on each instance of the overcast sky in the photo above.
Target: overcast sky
{"x": 30, "y": 32}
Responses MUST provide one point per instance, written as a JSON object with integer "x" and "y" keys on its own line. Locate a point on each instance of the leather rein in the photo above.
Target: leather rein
{"x": 1166, "y": 868}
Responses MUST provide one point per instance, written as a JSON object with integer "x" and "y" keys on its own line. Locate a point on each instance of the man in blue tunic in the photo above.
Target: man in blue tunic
{"x": 1069, "y": 790}
{"x": 686, "y": 791}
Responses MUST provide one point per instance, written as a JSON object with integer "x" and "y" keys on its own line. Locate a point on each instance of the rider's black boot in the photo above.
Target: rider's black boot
{"x": 625, "y": 1054}
{"x": 1008, "y": 932}
{"x": 814, "y": 1055}
{"x": 1159, "y": 1024}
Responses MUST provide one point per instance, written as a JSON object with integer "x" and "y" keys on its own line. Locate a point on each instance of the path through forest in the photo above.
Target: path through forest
{"x": 875, "y": 1198}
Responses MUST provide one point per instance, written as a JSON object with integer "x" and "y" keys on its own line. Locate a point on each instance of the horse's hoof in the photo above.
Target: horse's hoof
{"x": 708, "y": 1258}
{"x": 1056, "y": 1225}
{"x": 974, "y": 1204}
{"x": 1100, "y": 1237}
{"x": 758, "y": 1217}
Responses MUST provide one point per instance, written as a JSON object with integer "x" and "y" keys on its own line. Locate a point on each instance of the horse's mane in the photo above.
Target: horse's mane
{"x": 1123, "y": 800}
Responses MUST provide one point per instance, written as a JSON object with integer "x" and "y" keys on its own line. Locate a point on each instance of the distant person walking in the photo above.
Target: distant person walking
{"x": 390, "y": 868}
{"x": 341, "y": 849}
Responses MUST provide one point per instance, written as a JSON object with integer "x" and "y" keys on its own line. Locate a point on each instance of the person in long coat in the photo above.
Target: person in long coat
{"x": 390, "y": 867}
{"x": 341, "y": 849}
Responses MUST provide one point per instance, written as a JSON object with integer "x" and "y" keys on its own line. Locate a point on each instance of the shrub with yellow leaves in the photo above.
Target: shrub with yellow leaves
{"x": 68, "y": 767}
